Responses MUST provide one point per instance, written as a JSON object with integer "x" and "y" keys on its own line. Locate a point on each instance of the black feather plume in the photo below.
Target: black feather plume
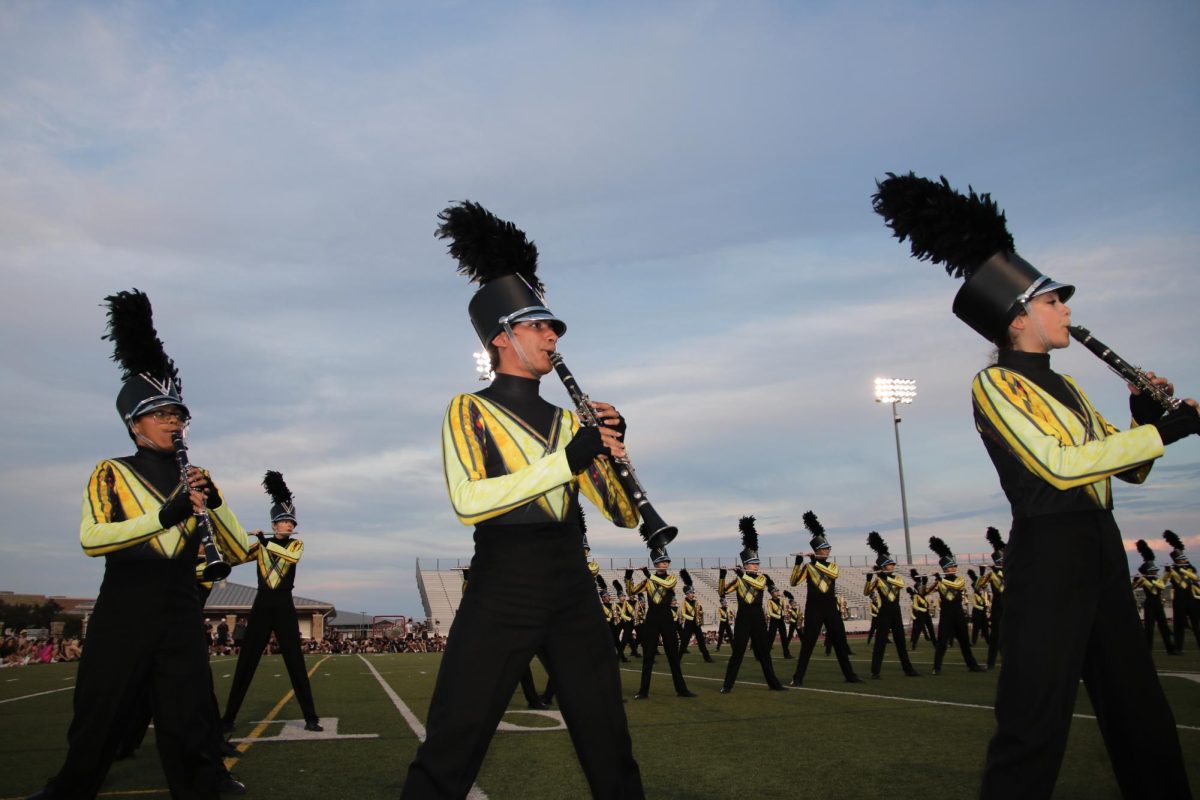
{"x": 791, "y": 597}
{"x": 136, "y": 346}
{"x": 1144, "y": 549}
{"x": 273, "y": 483}
{"x": 686, "y": 577}
{"x": 876, "y": 543}
{"x": 617, "y": 585}
{"x": 487, "y": 247}
{"x": 645, "y": 530}
{"x": 993, "y": 537}
{"x": 1173, "y": 539}
{"x": 909, "y": 590}
{"x": 749, "y": 533}
{"x": 603, "y": 586}
{"x": 582, "y": 521}
{"x": 940, "y": 547}
{"x": 971, "y": 574}
{"x": 942, "y": 226}
{"x": 814, "y": 526}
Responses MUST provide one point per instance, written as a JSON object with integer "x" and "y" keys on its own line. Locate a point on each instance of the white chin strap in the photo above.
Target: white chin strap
{"x": 1037, "y": 327}
{"x": 520, "y": 351}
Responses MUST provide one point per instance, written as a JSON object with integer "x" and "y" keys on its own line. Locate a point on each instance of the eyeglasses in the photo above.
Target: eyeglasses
{"x": 167, "y": 415}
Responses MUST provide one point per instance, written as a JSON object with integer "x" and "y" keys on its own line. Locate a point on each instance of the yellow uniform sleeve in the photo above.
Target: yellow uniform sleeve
{"x": 1043, "y": 438}
{"x": 98, "y": 532}
{"x": 229, "y": 535}
{"x": 725, "y": 587}
{"x": 631, "y": 589}
{"x": 289, "y": 552}
{"x": 798, "y": 572}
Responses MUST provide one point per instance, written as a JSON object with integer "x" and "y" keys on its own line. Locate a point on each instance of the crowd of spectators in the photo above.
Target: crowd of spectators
{"x": 20, "y": 650}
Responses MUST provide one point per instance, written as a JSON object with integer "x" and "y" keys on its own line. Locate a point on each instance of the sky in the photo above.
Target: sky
{"x": 697, "y": 177}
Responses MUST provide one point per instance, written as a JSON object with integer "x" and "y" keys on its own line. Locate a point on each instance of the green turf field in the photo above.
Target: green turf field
{"x": 826, "y": 740}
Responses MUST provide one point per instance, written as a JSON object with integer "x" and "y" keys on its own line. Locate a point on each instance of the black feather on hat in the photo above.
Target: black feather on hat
{"x": 749, "y": 554}
{"x": 997, "y": 543}
{"x": 882, "y": 556}
{"x": 945, "y": 554}
{"x": 791, "y": 597}
{"x": 814, "y": 526}
{"x": 686, "y": 577}
{"x": 603, "y": 586}
{"x": 282, "y": 505}
{"x": 942, "y": 226}
{"x": 968, "y": 235}
{"x": 657, "y": 552}
{"x": 1148, "y": 566}
{"x": 149, "y": 377}
{"x": 1177, "y": 551}
{"x": 971, "y": 574}
{"x": 617, "y": 586}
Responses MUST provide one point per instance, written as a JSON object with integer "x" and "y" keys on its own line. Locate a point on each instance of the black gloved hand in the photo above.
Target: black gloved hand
{"x": 628, "y": 574}
{"x": 1178, "y": 424}
{"x": 646, "y": 571}
{"x": 723, "y": 573}
{"x": 262, "y": 539}
{"x": 1144, "y": 408}
{"x": 175, "y": 510}
{"x": 583, "y": 449}
{"x": 799, "y": 560}
{"x": 212, "y": 498}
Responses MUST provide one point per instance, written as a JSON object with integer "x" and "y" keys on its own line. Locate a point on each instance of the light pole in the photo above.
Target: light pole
{"x": 898, "y": 390}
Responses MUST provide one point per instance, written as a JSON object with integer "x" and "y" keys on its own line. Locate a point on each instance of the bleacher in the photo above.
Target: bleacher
{"x": 441, "y": 587}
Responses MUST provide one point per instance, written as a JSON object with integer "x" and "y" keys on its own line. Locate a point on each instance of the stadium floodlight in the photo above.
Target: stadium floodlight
{"x": 895, "y": 391}
{"x": 483, "y": 365}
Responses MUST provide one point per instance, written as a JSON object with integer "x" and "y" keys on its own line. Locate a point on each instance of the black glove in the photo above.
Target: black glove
{"x": 262, "y": 539}
{"x": 175, "y": 510}
{"x": 1144, "y": 408}
{"x": 583, "y": 449}
{"x": 646, "y": 571}
{"x": 813, "y": 558}
{"x": 723, "y": 573}
{"x": 212, "y": 498}
{"x": 799, "y": 560}
{"x": 628, "y": 574}
{"x": 1178, "y": 424}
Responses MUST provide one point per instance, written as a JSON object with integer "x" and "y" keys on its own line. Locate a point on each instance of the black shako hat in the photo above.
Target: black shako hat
{"x": 283, "y": 509}
{"x": 814, "y": 526}
{"x": 993, "y": 537}
{"x": 1148, "y": 566}
{"x": 686, "y": 578}
{"x": 882, "y": 556}
{"x": 149, "y": 377}
{"x": 497, "y": 255}
{"x": 749, "y": 554}
{"x": 945, "y": 554}
{"x": 657, "y": 552}
{"x": 969, "y": 236}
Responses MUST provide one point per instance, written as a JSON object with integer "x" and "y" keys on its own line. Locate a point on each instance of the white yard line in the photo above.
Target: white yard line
{"x": 37, "y": 694}
{"x": 415, "y": 724}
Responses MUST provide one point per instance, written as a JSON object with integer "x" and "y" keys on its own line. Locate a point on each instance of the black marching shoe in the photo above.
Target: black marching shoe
{"x": 854, "y": 679}
{"x": 640, "y": 696}
{"x": 912, "y": 673}
{"x": 313, "y": 725}
{"x": 228, "y": 749}
{"x": 977, "y": 668}
{"x": 795, "y": 683}
{"x": 538, "y": 705}
{"x": 230, "y": 785}
{"x": 936, "y": 671}
{"x": 725, "y": 689}
{"x": 686, "y": 693}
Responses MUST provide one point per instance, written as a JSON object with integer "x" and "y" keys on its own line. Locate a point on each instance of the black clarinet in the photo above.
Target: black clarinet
{"x": 215, "y": 568}
{"x": 662, "y": 534}
{"x": 1129, "y": 373}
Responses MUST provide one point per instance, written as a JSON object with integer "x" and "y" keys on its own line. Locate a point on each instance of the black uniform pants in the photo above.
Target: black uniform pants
{"x": 922, "y": 624}
{"x": 818, "y": 613}
{"x": 953, "y": 625}
{"x": 778, "y": 627}
{"x": 659, "y": 625}
{"x": 1091, "y": 631}
{"x": 1154, "y": 614}
{"x": 997, "y": 625}
{"x": 724, "y": 633}
{"x": 505, "y": 616}
{"x": 269, "y": 614}
{"x": 979, "y": 624}
{"x": 145, "y": 634}
{"x": 752, "y": 628}
{"x": 1187, "y": 615}
{"x": 692, "y": 628}
{"x": 889, "y": 622}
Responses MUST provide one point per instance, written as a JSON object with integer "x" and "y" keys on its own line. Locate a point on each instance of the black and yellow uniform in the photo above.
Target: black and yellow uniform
{"x": 873, "y": 612}
{"x": 1185, "y": 592}
{"x": 795, "y": 618}
{"x": 922, "y": 621}
{"x": 751, "y": 627}
{"x": 821, "y": 609}
{"x": 692, "y": 614}
{"x": 1152, "y": 588}
{"x": 724, "y": 628}
{"x": 146, "y": 632}
{"x": 776, "y": 622}
{"x": 886, "y": 587}
{"x": 625, "y": 613}
{"x": 996, "y": 592}
{"x": 952, "y": 622}
{"x": 980, "y": 603}
{"x": 659, "y": 588}
{"x": 506, "y": 456}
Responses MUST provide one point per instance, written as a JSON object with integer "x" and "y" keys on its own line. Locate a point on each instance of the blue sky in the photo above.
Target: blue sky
{"x": 697, "y": 177}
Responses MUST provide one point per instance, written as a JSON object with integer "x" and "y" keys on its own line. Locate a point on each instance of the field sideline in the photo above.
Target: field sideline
{"x": 827, "y": 740}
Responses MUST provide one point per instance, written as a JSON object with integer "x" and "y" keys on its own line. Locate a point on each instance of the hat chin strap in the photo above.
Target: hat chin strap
{"x": 520, "y": 351}
{"x": 1037, "y": 327}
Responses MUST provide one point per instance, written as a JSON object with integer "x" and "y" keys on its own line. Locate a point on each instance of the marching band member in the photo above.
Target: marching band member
{"x": 952, "y": 623}
{"x": 885, "y": 585}
{"x": 1152, "y": 606}
{"x": 1055, "y": 457}
{"x": 776, "y": 624}
{"x": 515, "y": 466}
{"x": 724, "y": 629}
{"x": 922, "y": 619}
{"x": 872, "y": 610}
{"x": 274, "y": 610}
{"x": 659, "y": 587}
{"x": 693, "y": 618}
{"x": 625, "y": 617}
{"x": 821, "y": 606}
{"x": 795, "y": 617}
{"x": 1185, "y": 592}
{"x": 146, "y": 631}
{"x": 979, "y": 605}
{"x": 751, "y": 626}
{"x": 996, "y": 580}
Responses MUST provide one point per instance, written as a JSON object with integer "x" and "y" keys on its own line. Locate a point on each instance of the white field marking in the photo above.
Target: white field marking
{"x": 409, "y": 717}
{"x": 1187, "y": 676}
{"x": 37, "y": 694}
{"x": 509, "y": 727}
{"x": 874, "y": 696}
